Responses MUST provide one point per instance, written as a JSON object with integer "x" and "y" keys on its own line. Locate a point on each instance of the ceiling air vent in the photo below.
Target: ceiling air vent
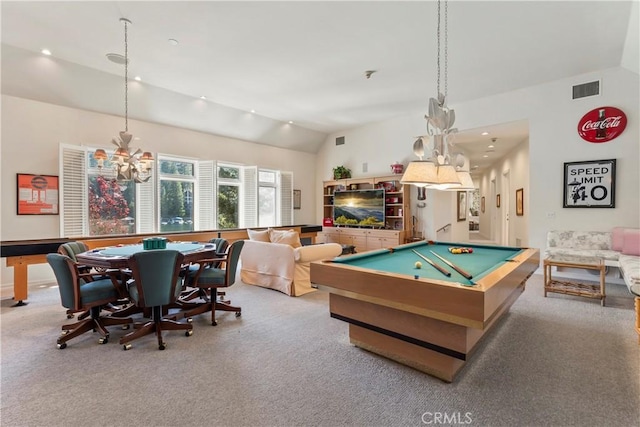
{"x": 586, "y": 89}
{"x": 340, "y": 140}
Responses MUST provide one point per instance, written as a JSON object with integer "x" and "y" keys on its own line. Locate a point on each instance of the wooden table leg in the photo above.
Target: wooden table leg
{"x": 20, "y": 271}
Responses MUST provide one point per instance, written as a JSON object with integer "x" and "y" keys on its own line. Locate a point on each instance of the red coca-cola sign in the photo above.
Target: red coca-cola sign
{"x": 602, "y": 124}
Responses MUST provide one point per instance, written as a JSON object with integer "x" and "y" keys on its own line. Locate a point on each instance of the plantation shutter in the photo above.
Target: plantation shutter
{"x": 286, "y": 198}
{"x": 205, "y": 212}
{"x": 145, "y": 204}
{"x": 249, "y": 209}
{"x": 73, "y": 191}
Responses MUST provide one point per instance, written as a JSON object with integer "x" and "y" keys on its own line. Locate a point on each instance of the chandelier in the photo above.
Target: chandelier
{"x": 442, "y": 170}
{"x": 129, "y": 166}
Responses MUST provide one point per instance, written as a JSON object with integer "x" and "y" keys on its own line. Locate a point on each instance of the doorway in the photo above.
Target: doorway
{"x": 504, "y": 207}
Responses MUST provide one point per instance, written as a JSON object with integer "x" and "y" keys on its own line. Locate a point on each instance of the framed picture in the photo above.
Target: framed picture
{"x": 462, "y": 205}
{"x": 37, "y": 194}
{"x": 482, "y": 204}
{"x": 297, "y": 196}
{"x": 519, "y": 202}
{"x": 497, "y": 201}
{"x": 590, "y": 184}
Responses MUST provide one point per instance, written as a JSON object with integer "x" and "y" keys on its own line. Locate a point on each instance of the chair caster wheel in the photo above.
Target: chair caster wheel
{"x": 162, "y": 346}
{"x": 126, "y": 347}
{"x": 103, "y": 340}
{"x": 62, "y": 345}
{"x": 188, "y": 333}
{"x": 214, "y": 323}
{"x": 189, "y": 320}
{"x": 125, "y": 327}
{"x": 238, "y": 314}
{"x": 69, "y": 316}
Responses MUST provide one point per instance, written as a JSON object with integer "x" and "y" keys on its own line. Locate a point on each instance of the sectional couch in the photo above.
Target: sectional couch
{"x": 619, "y": 247}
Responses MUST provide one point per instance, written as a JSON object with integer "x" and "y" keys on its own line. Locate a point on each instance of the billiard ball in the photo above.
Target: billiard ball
{"x": 418, "y": 264}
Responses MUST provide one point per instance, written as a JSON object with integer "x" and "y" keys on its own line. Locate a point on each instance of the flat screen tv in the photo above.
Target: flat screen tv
{"x": 359, "y": 207}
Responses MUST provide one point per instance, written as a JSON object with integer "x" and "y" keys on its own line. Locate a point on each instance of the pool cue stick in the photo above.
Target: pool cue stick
{"x": 433, "y": 264}
{"x": 455, "y": 267}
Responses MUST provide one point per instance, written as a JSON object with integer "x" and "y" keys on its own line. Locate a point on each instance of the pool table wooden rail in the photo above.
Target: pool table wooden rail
{"x": 472, "y": 306}
{"x": 429, "y": 324}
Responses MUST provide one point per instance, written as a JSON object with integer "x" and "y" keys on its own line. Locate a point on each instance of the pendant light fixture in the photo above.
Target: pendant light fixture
{"x": 437, "y": 171}
{"x": 129, "y": 166}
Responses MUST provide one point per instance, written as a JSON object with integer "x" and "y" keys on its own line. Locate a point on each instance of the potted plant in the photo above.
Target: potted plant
{"x": 340, "y": 172}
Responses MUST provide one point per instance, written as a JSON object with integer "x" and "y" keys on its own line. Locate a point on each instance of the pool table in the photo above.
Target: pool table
{"x": 419, "y": 316}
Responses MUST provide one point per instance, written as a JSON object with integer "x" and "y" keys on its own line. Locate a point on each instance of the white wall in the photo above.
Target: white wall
{"x": 32, "y": 132}
{"x": 553, "y": 118}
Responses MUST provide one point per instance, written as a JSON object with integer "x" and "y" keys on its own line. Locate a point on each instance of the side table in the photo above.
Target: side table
{"x": 573, "y": 287}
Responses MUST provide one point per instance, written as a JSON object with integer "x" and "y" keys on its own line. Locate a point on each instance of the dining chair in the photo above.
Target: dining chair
{"x": 189, "y": 293}
{"x": 156, "y": 283}
{"x": 76, "y": 294}
{"x": 210, "y": 279}
{"x": 73, "y": 248}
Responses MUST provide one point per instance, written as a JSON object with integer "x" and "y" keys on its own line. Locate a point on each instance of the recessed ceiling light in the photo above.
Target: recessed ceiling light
{"x": 203, "y": 97}
{"x": 490, "y": 146}
{"x": 485, "y": 156}
{"x": 46, "y": 52}
{"x": 137, "y": 78}
{"x": 290, "y": 122}
{"x": 485, "y": 133}
{"x": 173, "y": 42}
{"x": 475, "y": 167}
{"x": 253, "y": 111}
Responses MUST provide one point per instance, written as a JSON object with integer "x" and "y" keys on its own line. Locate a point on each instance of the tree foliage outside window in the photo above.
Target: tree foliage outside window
{"x": 110, "y": 204}
{"x": 228, "y": 203}
{"x": 176, "y": 195}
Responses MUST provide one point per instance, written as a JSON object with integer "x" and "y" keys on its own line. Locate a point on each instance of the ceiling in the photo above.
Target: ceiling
{"x": 306, "y": 61}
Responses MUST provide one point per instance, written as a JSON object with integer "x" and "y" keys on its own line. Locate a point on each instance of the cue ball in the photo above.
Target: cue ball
{"x": 418, "y": 264}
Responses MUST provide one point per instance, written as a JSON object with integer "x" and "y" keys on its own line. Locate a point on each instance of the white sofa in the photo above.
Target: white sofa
{"x": 281, "y": 267}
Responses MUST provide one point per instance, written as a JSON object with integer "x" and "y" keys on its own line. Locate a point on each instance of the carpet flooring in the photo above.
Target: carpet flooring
{"x": 555, "y": 361}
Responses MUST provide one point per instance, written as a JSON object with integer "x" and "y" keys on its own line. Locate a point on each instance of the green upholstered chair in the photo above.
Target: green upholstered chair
{"x": 71, "y": 249}
{"x": 76, "y": 294}
{"x": 221, "y": 253}
{"x": 211, "y": 279}
{"x": 156, "y": 283}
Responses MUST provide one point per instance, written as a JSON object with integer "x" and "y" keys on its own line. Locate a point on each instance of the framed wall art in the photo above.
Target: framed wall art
{"x": 297, "y": 199}
{"x": 520, "y": 202}
{"x": 462, "y": 205}
{"x": 590, "y": 184}
{"x": 37, "y": 194}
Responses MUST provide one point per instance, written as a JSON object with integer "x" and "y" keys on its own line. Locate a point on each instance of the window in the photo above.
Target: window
{"x": 111, "y": 204}
{"x": 183, "y": 195}
{"x": 267, "y": 198}
{"x": 228, "y": 196}
{"x": 176, "y": 194}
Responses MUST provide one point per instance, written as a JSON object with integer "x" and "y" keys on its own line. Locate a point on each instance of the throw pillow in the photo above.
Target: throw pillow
{"x": 631, "y": 242}
{"x": 259, "y": 235}
{"x": 287, "y": 237}
{"x": 617, "y": 238}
